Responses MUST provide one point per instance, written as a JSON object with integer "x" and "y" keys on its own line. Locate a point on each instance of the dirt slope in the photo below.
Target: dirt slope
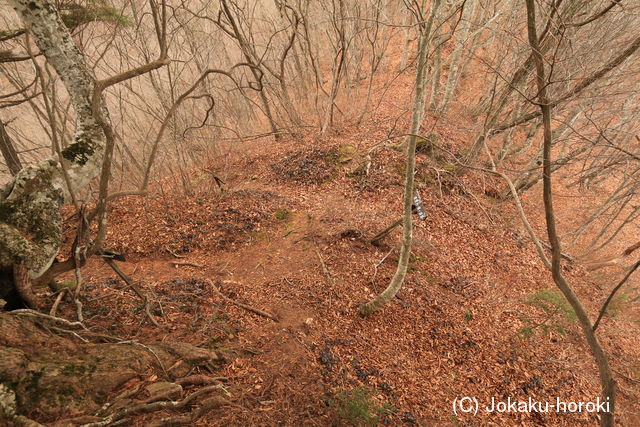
{"x": 289, "y": 236}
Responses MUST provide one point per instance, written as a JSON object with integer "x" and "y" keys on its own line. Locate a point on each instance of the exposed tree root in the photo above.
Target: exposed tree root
{"x": 144, "y": 408}
{"x": 23, "y": 285}
{"x": 55, "y": 367}
{"x": 199, "y": 380}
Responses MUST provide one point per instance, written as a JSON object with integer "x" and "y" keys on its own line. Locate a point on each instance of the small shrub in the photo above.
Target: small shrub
{"x": 282, "y": 214}
{"x": 357, "y": 407}
{"x": 552, "y": 301}
{"x": 557, "y": 312}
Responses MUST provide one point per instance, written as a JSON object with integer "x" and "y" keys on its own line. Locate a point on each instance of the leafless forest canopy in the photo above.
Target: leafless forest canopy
{"x": 133, "y": 98}
{"x": 245, "y": 70}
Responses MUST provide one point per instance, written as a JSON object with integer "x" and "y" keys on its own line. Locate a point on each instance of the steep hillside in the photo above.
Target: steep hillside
{"x": 245, "y": 163}
{"x": 289, "y": 234}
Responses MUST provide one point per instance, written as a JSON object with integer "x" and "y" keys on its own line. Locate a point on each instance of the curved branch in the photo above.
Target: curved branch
{"x": 173, "y": 109}
{"x": 612, "y": 294}
{"x": 597, "y": 15}
{"x": 585, "y": 83}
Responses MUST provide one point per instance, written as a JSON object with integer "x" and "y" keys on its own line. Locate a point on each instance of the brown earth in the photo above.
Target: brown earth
{"x": 456, "y": 328}
{"x": 289, "y": 235}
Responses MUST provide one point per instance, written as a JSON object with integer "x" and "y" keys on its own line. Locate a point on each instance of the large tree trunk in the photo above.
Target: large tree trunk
{"x": 42, "y": 375}
{"x": 30, "y": 224}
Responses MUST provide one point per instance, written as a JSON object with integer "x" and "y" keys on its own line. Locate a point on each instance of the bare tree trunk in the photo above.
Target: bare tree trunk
{"x": 607, "y": 381}
{"x": 406, "y": 20}
{"x": 34, "y": 196}
{"x": 437, "y": 69}
{"x": 508, "y": 138}
{"x": 426, "y": 39}
{"x": 30, "y": 222}
{"x": 456, "y": 56}
{"x": 9, "y": 153}
{"x": 247, "y": 52}
{"x": 375, "y": 60}
{"x": 407, "y": 227}
{"x": 338, "y": 65}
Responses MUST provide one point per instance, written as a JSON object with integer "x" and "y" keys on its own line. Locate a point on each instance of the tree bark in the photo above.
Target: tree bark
{"x": 456, "y": 56}
{"x": 9, "y": 152}
{"x": 407, "y": 227}
{"x": 30, "y": 223}
{"x": 607, "y": 381}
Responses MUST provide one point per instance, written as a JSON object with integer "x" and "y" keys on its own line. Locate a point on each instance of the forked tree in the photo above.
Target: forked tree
{"x": 30, "y": 223}
{"x": 32, "y": 357}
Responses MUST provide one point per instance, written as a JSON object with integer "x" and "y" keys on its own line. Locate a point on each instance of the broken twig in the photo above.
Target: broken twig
{"x": 383, "y": 233}
{"x": 239, "y": 304}
{"x": 190, "y": 264}
{"x": 326, "y": 273}
{"x": 137, "y": 290}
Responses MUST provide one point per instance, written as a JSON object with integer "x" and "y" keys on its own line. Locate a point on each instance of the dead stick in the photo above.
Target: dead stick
{"x": 384, "y": 232}
{"x": 562, "y": 254}
{"x": 137, "y": 290}
{"x": 174, "y": 254}
{"x": 327, "y": 273}
{"x": 324, "y": 268}
{"x": 375, "y": 268}
{"x": 239, "y": 304}
{"x": 191, "y": 264}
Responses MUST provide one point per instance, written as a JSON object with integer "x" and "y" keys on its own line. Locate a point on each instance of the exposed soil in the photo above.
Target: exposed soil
{"x": 289, "y": 236}
{"x": 456, "y": 328}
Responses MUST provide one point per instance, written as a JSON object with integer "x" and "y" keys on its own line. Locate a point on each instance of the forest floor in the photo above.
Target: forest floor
{"x": 289, "y": 234}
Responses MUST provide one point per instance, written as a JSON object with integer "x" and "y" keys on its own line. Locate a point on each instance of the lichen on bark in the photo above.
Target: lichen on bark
{"x": 80, "y": 152}
{"x": 30, "y": 223}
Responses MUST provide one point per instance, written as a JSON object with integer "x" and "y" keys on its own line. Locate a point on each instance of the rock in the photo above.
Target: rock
{"x": 306, "y": 324}
{"x": 7, "y": 403}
